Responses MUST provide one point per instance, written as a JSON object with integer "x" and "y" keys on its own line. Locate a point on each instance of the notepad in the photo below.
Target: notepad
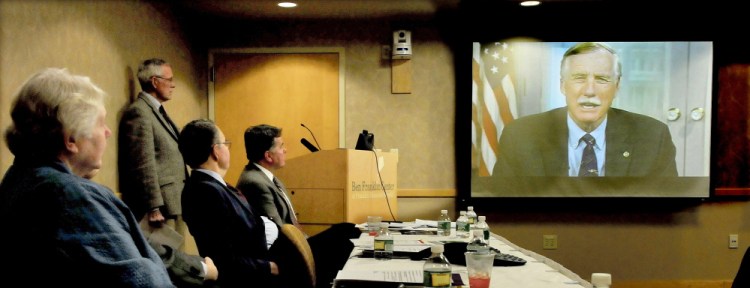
{"x": 357, "y": 279}
{"x": 401, "y": 276}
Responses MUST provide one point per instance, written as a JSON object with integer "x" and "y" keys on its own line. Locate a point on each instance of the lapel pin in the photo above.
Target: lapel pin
{"x": 626, "y": 154}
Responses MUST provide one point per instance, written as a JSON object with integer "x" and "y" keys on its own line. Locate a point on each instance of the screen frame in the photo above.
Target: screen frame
{"x": 479, "y": 13}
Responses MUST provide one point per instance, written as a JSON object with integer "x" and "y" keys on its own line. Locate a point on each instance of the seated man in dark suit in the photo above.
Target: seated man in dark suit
{"x": 224, "y": 225}
{"x": 588, "y": 137}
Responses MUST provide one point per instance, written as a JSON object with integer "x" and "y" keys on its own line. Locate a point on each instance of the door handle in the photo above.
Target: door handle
{"x": 697, "y": 113}
{"x": 673, "y": 114}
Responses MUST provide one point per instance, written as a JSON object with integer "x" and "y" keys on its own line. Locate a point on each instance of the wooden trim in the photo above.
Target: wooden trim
{"x": 732, "y": 191}
{"x": 418, "y": 193}
{"x": 401, "y": 76}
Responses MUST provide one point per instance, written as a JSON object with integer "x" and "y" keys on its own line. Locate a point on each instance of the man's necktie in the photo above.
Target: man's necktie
{"x": 589, "y": 166}
{"x": 238, "y": 193}
{"x": 172, "y": 127}
{"x": 288, "y": 203}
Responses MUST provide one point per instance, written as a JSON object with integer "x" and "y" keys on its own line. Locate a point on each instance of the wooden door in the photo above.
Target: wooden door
{"x": 279, "y": 89}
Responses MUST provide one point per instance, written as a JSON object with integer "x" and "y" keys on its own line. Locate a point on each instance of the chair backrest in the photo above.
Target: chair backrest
{"x": 303, "y": 254}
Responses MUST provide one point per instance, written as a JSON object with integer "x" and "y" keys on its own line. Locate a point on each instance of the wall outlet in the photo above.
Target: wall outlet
{"x": 549, "y": 242}
{"x": 734, "y": 241}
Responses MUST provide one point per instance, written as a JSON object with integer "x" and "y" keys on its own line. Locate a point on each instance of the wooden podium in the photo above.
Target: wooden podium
{"x": 343, "y": 185}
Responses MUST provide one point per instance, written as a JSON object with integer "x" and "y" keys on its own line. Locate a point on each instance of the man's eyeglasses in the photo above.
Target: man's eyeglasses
{"x": 225, "y": 143}
{"x": 167, "y": 79}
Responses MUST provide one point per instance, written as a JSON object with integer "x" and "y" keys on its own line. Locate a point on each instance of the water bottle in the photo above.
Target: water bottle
{"x": 383, "y": 245}
{"x": 462, "y": 225}
{"x": 471, "y": 215}
{"x": 444, "y": 224}
{"x": 437, "y": 269}
{"x": 482, "y": 225}
{"x": 477, "y": 243}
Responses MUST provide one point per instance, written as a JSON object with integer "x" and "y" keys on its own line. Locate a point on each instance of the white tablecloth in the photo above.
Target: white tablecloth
{"x": 538, "y": 272}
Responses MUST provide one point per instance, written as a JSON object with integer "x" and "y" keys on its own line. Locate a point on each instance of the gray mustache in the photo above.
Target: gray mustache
{"x": 592, "y": 101}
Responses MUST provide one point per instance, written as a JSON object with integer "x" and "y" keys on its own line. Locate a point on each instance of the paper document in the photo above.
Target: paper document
{"x": 410, "y": 243}
{"x": 365, "y": 242}
{"x": 414, "y": 249}
{"x": 430, "y": 223}
{"x": 401, "y": 276}
{"x": 396, "y": 225}
{"x": 163, "y": 234}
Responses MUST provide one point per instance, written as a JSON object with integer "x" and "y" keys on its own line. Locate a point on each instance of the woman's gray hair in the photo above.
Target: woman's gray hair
{"x": 49, "y": 105}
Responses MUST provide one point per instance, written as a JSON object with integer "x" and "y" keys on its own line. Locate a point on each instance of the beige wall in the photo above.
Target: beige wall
{"x": 420, "y": 125}
{"x": 105, "y": 40}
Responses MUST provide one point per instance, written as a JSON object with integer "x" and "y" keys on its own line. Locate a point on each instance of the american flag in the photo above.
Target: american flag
{"x": 493, "y": 101}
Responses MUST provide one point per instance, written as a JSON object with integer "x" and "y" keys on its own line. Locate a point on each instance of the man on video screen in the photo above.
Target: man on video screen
{"x": 587, "y": 137}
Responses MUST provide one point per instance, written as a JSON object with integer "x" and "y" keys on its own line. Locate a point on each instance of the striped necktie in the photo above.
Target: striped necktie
{"x": 288, "y": 203}
{"x": 238, "y": 193}
{"x": 589, "y": 166}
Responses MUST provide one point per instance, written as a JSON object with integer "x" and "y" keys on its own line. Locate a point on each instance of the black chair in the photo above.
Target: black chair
{"x": 331, "y": 249}
{"x": 742, "y": 279}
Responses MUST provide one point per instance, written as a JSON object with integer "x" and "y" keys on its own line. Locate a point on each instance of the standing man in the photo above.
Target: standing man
{"x": 152, "y": 171}
{"x": 266, "y": 153}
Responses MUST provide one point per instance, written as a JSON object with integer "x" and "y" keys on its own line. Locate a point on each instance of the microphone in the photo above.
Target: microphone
{"x": 316, "y": 140}
{"x": 308, "y": 145}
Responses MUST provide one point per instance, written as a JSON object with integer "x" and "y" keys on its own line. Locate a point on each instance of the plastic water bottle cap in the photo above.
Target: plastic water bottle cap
{"x": 444, "y": 211}
{"x": 482, "y": 218}
{"x": 601, "y": 280}
{"x": 437, "y": 249}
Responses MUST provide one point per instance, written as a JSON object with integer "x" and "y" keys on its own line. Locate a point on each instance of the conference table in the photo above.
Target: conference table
{"x": 538, "y": 272}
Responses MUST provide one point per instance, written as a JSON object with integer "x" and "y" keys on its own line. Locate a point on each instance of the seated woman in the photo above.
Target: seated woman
{"x": 59, "y": 225}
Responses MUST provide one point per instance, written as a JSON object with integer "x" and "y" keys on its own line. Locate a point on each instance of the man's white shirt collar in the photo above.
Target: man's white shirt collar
{"x": 268, "y": 173}
{"x": 213, "y": 174}
{"x": 153, "y": 100}
{"x": 575, "y": 133}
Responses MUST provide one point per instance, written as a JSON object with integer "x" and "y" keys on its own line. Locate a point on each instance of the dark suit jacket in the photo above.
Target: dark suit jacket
{"x": 264, "y": 196}
{"x": 536, "y": 145}
{"x": 227, "y": 230}
{"x": 152, "y": 171}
